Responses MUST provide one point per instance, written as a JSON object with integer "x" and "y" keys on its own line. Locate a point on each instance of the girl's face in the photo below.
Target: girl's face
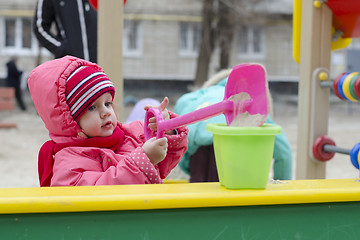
{"x": 100, "y": 118}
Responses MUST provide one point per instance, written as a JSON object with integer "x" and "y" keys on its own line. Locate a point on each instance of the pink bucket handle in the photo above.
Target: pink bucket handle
{"x": 153, "y": 112}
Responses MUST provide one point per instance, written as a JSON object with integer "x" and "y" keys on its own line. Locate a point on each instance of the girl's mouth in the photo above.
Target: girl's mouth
{"x": 107, "y": 124}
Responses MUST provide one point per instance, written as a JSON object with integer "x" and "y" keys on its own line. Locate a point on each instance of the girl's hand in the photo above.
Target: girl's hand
{"x": 156, "y": 149}
{"x": 165, "y": 114}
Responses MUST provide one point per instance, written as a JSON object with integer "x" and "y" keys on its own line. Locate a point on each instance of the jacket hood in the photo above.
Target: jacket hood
{"x": 47, "y": 85}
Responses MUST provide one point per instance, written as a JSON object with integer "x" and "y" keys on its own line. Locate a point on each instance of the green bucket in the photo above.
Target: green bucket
{"x": 243, "y": 154}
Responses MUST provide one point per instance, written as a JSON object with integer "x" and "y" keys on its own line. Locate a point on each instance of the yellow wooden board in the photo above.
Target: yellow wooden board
{"x": 164, "y": 196}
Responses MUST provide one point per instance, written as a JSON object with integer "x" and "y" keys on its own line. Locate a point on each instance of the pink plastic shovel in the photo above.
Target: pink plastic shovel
{"x": 245, "y": 91}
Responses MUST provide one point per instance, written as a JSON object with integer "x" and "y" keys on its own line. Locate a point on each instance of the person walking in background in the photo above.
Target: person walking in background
{"x": 13, "y": 79}
{"x": 75, "y": 24}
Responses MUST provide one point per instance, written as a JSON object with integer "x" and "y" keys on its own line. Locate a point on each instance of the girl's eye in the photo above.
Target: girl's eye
{"x": 108, "y": 104}
{"x": 91, "y": 108}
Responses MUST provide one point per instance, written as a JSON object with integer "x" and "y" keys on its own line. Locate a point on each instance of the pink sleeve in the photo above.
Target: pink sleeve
{"x": 103, "y": 167}
{"x": 177, "y": 146}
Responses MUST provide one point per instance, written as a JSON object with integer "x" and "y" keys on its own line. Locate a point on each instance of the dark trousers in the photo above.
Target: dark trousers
{"x": 203, "y": 165}
{"x": 19, "y": 99}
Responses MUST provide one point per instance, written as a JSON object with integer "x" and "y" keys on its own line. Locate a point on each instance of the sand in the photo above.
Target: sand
{"x": 19, "y": 146}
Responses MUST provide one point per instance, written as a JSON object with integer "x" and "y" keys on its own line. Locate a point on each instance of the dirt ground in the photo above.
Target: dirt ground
{"x": 19, "y": 146}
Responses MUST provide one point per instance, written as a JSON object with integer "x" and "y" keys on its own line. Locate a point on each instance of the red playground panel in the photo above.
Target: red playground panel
{"x": 346, "y": 16}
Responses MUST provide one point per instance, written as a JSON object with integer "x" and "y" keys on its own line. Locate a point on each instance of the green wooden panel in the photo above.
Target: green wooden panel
{"x": 298, "y": 221}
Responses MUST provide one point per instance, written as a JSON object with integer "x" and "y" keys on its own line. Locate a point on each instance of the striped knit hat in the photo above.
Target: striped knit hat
{"x": 84, "y": 86}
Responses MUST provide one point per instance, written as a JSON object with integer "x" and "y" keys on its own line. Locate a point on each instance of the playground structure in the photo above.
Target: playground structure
{"x": 322, "y": 26}
{"x": 305, "y": 209}
{"x": 346, "y": 87}
{"x": 110, "y": 22}
{"x": 298, "y": 209}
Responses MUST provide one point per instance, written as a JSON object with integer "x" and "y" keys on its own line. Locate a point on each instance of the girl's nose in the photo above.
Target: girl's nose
{"x": 105, "y": 112}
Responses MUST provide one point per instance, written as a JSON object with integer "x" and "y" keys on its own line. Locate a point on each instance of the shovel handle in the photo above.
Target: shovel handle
{"x": 186, "y": 119}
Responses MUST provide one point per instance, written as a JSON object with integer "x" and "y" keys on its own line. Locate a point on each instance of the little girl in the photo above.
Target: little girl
{"x": 89, "y": 145}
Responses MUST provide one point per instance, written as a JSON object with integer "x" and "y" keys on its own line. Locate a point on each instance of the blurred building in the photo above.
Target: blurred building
{"x": 161, "y": 39}
{"x": 16, "y": 38}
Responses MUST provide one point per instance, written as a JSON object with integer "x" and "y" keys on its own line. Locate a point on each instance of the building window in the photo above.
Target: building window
{"x": 132, "y": 36}
{"x": 251, "y": 42}
{"x": 18, "y": 38}
{"x": 10, "y": 32}
{"x": 190, "y": 35}
{"x": 26, "y": 33}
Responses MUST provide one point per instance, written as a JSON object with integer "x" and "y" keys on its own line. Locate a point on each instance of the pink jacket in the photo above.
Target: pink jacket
{"x": 76, "y": 166}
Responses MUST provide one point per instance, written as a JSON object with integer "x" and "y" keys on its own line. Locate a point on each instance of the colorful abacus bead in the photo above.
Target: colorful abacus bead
{"x": 355, "y": 155}
{"x": 340, "y": 86}
{"x": 352, "y": 86}
{"x": 318, "y": 148}
{"x": 336, "y": 84}
{"x": 346, "y": 86}
{"x": 357, "y": 87}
